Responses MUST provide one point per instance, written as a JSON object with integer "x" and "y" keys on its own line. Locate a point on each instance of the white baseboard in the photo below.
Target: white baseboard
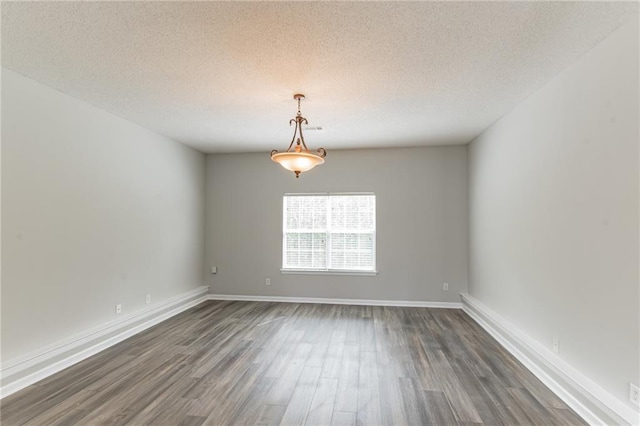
{"x": 331, "y": 301}
{"x": 594, "y": 404}
{"x": 28, "y": 369}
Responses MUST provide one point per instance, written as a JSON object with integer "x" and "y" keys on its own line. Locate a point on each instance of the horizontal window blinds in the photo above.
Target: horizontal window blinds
{"x": 326, "y": 232}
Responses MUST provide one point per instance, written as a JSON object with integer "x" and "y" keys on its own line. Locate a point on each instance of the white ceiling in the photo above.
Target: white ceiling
{"x": 219, "y": 76}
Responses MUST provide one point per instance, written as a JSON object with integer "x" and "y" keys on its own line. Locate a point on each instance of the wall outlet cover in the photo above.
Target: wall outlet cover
{"x": 634, "y": 394}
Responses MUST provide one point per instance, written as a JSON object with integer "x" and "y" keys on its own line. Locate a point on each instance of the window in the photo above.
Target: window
{"x": 329, "y": 233}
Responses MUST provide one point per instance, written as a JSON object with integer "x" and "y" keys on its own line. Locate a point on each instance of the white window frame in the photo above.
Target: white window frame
{"x": 303, "y": 271}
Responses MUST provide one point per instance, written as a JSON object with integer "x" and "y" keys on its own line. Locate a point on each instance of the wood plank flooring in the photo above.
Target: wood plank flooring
{"x": 258, "y": 363}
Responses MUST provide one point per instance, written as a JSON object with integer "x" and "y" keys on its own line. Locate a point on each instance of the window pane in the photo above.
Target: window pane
{"x": 352, "y": 212}
{"x": 352, "y": 251}
{"x": 305, "y": 212}
{"x": 305, "y": 250}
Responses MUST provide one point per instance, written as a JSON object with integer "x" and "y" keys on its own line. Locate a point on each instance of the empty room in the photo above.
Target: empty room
{"x": 320, "y": 213}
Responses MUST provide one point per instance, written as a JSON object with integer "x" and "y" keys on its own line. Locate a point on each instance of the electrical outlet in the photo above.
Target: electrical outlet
{"x": 118, "y": 308}
{"x": 445, "y": 286}
{"x": 634, "y": 394}
{"x": 214, "y": 269}
{"x": 148, "y": 299}
{"x": 267, "y": 281}
{"x": 556, "y": 345}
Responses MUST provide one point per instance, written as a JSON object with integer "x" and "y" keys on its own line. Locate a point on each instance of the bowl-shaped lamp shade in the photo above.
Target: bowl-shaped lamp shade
{"x": 297, "y": 162}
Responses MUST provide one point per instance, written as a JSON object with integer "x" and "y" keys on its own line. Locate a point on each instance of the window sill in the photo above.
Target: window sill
{"x": 314, "y": 272}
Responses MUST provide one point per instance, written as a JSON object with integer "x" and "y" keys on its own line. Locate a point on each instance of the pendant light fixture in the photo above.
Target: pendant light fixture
{"x": 298, "y": 158}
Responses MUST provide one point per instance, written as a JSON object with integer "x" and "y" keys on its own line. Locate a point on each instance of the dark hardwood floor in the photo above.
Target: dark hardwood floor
{"x": 249, "y": 363}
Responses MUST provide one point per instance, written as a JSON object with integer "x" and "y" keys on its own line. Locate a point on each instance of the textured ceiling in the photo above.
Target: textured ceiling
{"x": 219, "y": 76}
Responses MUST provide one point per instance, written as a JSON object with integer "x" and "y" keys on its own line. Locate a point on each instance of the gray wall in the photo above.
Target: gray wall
{"x": 95, "y": 211}
{"x": 421, "y": 223}
{"x": 554, "y": 214}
